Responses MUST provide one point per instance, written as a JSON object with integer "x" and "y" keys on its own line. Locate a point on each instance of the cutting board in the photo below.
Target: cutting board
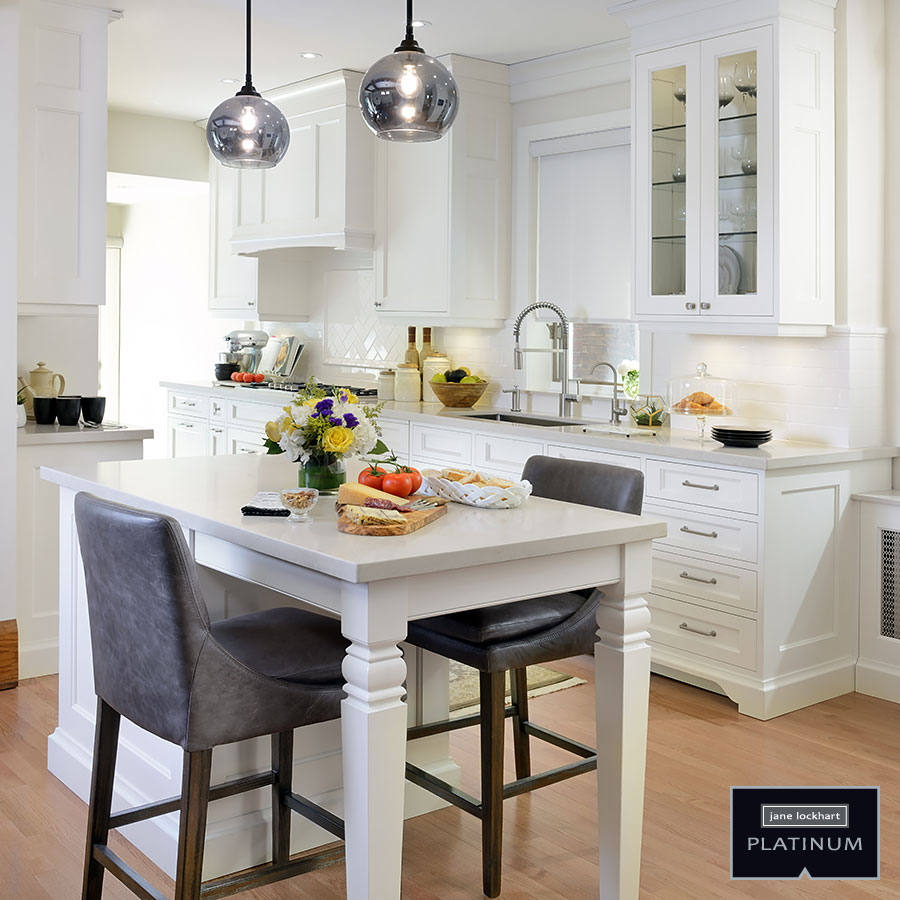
{"x": 414, "y": 521}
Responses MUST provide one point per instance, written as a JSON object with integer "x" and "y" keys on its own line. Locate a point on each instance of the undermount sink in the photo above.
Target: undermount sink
{"x": 588, "y": 426}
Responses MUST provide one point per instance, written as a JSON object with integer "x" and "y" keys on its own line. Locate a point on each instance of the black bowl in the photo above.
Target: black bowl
{"x": 92, "y": 409}
{"x": 68, "y": 410}
{"x": 224, "y": 371}
{"x": 44, "y": 410}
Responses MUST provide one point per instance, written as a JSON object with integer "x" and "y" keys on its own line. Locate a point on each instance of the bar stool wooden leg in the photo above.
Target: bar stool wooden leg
{"x": 192, "y": 832}
{"x": 106, "y": 741}
{"x": 518, "y": 683}
{"x": 493, "y": 703}
{"x": 282, "y": 764}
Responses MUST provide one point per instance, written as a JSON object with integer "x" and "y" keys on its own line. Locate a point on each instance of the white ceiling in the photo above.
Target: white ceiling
{"x": 166, "y": 57}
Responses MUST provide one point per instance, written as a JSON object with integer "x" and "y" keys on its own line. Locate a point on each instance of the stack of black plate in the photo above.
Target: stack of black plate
{"x": 732, "y": 436}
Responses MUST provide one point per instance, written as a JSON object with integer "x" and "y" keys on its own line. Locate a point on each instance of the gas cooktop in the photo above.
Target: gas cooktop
{"x": 294, "y": 386}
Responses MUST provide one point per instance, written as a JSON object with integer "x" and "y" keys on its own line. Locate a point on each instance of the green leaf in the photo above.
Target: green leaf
{"x": 272, "y": 448}
{"x": 379, "y": 448}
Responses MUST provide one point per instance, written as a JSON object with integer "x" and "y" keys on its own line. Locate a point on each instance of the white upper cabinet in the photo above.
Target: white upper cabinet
{"x": 322, "y": 193}
{"x": 734, "y": 167}
{"x": 443, "y": 211}
{"x": 232, "y": 278}
{"x": 62, "y": 157}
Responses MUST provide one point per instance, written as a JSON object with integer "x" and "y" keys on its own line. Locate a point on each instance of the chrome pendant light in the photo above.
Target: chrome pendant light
{"x": 246, "y": 131}
{"x": 408, "y": 96}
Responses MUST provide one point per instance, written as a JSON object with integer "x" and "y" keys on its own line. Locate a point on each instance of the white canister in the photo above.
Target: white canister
{"x": 407, "y": 384}
{"x": 433, "y": 364}
{"x": 386, "y": 384}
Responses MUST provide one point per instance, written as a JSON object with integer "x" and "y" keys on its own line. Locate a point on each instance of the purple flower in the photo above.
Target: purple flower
{"x": 334, "y": 421}
{"x": 350, "y": 420}
{"x": 323, "y": 407}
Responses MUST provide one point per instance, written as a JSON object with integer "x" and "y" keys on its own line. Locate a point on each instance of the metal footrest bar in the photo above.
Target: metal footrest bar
{"x": 315, "y": 813}
{"x": 443, "y": 789}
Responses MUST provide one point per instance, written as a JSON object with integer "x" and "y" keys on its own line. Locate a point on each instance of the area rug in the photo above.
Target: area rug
{"x": 464, "y": 686}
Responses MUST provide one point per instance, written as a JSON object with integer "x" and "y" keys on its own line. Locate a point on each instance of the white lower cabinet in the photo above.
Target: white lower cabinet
{"x": 396, "y": 436}
{"x": 439, "y": 448}
{"x": 504, "y": 455}
{"x": 599, "y": 456}
{"x": 245, "y": 441}
{"x": 186, "y": 437}
{"x": 217, "y": 441}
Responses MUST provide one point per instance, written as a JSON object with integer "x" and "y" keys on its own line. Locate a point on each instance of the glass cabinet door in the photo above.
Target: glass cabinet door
{"x": 667, "y": 190}
{"x": 738, "y": 164}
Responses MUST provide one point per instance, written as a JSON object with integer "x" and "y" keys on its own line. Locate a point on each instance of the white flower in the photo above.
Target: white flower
{"x": 626, "y": 366}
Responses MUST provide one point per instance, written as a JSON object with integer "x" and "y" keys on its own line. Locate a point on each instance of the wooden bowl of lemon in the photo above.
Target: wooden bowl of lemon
{"x": 458, "y": 394}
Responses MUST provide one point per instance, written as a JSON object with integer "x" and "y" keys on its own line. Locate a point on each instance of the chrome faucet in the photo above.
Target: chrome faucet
{"x": 566, "y": 399}
{"x": 617, "y": 412}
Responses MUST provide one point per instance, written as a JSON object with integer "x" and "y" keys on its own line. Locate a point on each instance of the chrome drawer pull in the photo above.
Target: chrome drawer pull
{"x": 685, "y": 627}
{"x": 186, "y": 425}
{"x": 703, "y": 487}
{"x": 188, "y": 403}
{"x": 712, "y": 534}
{"x": 695, "y": 578}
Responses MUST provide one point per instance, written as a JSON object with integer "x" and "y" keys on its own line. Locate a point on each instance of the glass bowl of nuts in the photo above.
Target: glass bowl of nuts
{"x": 300, "y": 502}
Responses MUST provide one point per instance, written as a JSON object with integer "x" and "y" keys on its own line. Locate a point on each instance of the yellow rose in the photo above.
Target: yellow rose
{"x": 272, "y": 432}
{"x": 352, "y": 398}
{"x": 337, "y": 439}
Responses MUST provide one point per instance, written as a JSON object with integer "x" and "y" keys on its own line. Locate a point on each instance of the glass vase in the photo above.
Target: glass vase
{"x": 326, "y": 473}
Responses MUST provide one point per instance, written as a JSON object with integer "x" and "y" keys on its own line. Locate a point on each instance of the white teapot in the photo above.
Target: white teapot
{"x": 42, "y": 383}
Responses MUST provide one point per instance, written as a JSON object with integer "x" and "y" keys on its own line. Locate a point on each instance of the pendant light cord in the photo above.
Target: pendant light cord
{"x": 409, "y": 43}
{"x": 248, "y": 79}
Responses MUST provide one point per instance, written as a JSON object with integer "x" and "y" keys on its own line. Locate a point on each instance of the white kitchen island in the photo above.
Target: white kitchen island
{"x": 467, "y": 559}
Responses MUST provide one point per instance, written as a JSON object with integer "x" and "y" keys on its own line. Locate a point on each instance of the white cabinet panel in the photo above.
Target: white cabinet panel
{"x": 217, "y": 443}
{"x": 232, "y": 278}
{"x": 503, "y": 454}
{"x": 193, "y": 405}
{"x": 241, "y": 441}
{"x": 452, "y": 447}
{"x": 707, "y": 533}
{"x": 62, "y": 158}
{"x": 396, "y": 436}
{"x": 598, "y": 456}
{"x": 187, "y": 437}
{"x": 726, "y": 489}
{"x": 707, "y": 582}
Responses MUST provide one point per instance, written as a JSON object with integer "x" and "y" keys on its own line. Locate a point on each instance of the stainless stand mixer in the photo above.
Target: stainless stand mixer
{"x": 244, "y": 349}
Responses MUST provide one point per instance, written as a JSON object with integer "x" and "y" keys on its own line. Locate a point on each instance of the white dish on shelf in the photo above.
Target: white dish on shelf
{"x": 729, "y": 270}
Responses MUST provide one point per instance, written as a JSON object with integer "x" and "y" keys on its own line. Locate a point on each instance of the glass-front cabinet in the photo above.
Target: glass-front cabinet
{"x": 726, "y": 160}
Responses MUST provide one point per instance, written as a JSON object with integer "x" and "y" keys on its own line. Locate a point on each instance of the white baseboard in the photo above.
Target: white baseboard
{"x": 38, "y": 658}
{"x": 878, "y": 679}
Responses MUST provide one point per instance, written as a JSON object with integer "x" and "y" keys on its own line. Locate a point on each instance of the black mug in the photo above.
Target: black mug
{"x": 68, "y": 410}
{"x": 44, "y": 410}
{"x": 92, "y": 409}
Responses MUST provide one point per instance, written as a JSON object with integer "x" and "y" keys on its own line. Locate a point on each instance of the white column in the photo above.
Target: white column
{"x": 373, "y": 719}
{"x": 622, "y": 666}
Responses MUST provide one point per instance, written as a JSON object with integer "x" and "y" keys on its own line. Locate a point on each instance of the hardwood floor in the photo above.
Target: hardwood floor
{"x": 699, "y": 746}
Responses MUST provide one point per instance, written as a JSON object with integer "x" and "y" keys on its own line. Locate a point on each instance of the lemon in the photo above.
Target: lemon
{"x": 464, "y": 369}
{"x": 470, "y": 379}
{"x": 439, "y": 377}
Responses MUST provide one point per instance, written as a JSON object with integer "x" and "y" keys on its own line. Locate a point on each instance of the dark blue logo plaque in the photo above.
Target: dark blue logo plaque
{"x": 780, "y": 833}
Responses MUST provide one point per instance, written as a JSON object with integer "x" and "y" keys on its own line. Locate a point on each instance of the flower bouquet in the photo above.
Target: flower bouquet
{"x": 320, "y": 430}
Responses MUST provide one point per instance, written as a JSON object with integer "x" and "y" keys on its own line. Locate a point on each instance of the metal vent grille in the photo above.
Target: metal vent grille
{"x": 890, "y": 558}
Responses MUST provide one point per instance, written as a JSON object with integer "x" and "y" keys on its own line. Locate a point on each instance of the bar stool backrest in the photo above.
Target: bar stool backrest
{"x": 148, "y": 618}
{"x": 588, "y": 483}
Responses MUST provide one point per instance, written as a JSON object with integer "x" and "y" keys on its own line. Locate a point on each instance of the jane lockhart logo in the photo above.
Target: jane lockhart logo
{"x": 820, "y": 832}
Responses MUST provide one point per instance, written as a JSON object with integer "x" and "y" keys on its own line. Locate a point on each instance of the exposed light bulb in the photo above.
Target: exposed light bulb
{"x": 410, "y": 84}
{"x": 408, "y": 112}
{"x": 248, "y": 144}
{"x": 249, "y": 120}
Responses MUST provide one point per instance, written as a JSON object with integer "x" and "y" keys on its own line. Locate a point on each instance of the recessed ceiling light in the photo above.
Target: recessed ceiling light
{"x": 230, "y": 80}
{"x": 420, "y": 23}
{"x": 310, "y": 54}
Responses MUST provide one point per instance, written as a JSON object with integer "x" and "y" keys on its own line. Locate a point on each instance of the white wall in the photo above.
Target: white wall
{"x": 151, "y": 145}
{"x": 68, "y": 344}
{"x": 166, "y": 330}
{"x": 9, "y": 77}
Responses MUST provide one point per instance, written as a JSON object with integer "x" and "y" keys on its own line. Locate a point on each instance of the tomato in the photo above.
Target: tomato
{"x": 235, "y": 376}
{"x": 259, "y": 377}
{"x": 415, "y": 475}
{"x": 373, "y": 476}
{"x": 397, "y": 483}
{"x": 247, "y": 377}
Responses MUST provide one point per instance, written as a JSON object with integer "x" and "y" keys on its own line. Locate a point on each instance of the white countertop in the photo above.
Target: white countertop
{"x": 206, "y": 493}
{"x": 670, "y": 444}
{"x": 889, "y": 498}
{"x": 31, "y": 434}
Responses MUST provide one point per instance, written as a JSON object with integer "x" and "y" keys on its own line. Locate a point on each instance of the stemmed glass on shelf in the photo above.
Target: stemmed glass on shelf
{"x": 745, "y": 80}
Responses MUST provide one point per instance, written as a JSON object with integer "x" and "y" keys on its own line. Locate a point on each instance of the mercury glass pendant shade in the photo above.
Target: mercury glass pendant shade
{"x": 247, "y": 131}
{"x": 408, "y": 96}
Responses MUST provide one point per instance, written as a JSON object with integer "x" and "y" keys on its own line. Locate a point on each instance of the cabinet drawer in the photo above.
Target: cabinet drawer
{"x": 396, "y": 436}
{"x": 246, "y": 412}
{"x": 188, "y": 405}
{"x": 706, "y": 581}
{"x": 504, "y": 454}
{"x": 702, "y": 485}
{"x": 599, "y": 456}
{"x": 705, "y": 632}
{"x": 245, "y": 441}
{"x": 438, "y": 444}
{"x": 186, "y": 437}
{"x": 707, "y": 533}
{"x": 217, "y": 409}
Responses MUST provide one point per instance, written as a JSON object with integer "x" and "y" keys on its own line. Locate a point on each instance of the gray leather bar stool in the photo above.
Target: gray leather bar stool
{"x": 160, "y": 663}
{"x": 510, "y": 637}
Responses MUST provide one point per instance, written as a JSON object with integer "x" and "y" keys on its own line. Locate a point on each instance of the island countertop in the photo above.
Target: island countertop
{"x": 208, "y": 493}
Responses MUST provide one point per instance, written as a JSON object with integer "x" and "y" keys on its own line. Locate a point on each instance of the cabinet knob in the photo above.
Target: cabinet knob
{"x": 249, "y": 303}
{"x": 690, "y": 305}
{"x": 377, "y": 304}
{"x": 704, "y": 306}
